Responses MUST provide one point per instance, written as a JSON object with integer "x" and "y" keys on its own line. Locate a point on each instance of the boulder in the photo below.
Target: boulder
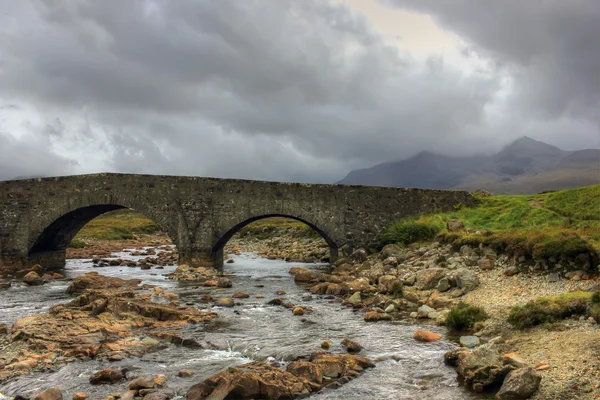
{"x": 359, "y": 285}
{"x": 469, "y": 341}
{"x": 519, "y": 384}
{"x": 257, "y": 380}
{"x": 373, "y": 316}
{"x": 429, "y": 278}
{"x": 351, "y": 346}
{"x": 486, "y": 264}
{"x": 391, "y": 261}
{"x": 224, "y": 283}
{"x": 426, "y": 336}
{"x": 455, "y": 225}
{"x": 304, "y": 275}
{"x": 49, "y": 394}
{"x": 424, "y": 311}
{"x": 391, "y": 250}
{"x": 106, "y": 375}
{"x": 185, "y": 373}
{"x": 355, "y": 299}
{"x": 33, "y": 279}
{"x": 141, "y": 383}
{"x": 163, "y": 394}
{"x": 93, "y": 280}
{"x": 359, "y": 256}
{"x": 510, "y": 271}
{"x": 466, "y": 279}
{"x": 224, "y": 302}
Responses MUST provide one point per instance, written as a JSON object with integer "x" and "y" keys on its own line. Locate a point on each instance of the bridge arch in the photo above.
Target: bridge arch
{"x": 219, "y": 245}
{"x": 54, "y": 231}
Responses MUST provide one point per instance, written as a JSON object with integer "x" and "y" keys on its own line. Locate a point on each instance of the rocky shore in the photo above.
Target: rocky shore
{"x": 110, "y": 318}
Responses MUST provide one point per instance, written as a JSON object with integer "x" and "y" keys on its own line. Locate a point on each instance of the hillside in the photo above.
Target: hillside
{"x": 525, "y": 166}
{"x": 566, "y": 221}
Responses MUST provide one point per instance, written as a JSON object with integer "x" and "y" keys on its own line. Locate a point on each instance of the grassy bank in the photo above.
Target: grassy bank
{"x": 116, "y": 225}
{"x": 126, "y": 224}
{"x": 563, "y": 224}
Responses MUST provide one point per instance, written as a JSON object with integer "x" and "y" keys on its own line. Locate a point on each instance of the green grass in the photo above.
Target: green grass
{"x": 116, "y": 225}
{"x": 560, "y": 224}
{"x": 463, "y": 317}
{"x": 552, "y": 309}
{"x": 125, "y": 224}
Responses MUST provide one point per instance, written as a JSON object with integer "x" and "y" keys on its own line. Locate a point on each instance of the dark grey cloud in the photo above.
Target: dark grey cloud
{"x": 550, "y": 47}
{"x": 280, "y": 89}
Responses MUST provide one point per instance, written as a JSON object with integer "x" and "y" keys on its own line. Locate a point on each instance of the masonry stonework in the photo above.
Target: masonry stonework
{"x": 39, "y": 217}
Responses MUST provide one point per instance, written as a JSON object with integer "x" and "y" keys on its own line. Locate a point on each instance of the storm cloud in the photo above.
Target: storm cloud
{"x": 281, "y": 89}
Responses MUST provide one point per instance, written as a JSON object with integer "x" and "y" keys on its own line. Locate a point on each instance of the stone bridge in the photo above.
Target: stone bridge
{"x": 40, "y": 217}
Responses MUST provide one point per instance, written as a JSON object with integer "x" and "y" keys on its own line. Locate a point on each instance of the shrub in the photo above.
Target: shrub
{"x": 596, "y": 298}
{"x": 77, "y": 244}
{"x": 397, "y": 289}
{"x": 551, "y": 309}
{"x": 463, "y": 317}
{"x": 407, "y": 232}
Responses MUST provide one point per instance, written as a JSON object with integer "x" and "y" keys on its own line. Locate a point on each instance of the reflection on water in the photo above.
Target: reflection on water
{"x": 405, "y": 369}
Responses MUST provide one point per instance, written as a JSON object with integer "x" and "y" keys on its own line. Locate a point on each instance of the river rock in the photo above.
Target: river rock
{"x": 481, "y": 367}
{"x": 424, "y": 311}
{"x": 80, "y": 396}
{"x": 355, "y": 299}
{"x": 163, "y": 394}
{"x": 49, "y": 394}
{"x": 351, "y": 346}
{"x": 469, "y": 341}
{"x": 373, "y": 316}
{"x": 554, "y": 277}
{"x": 360, "y": 285}
{"x": 429, "y": 278}
{"x": 304, "y": 275}
{"x": 106, "y": 375}
{"x": 391, "y": 250}
{"x": 466, "y": 279}
{"x": 3, "y": 329}
{"x": 141, "y": 383}
{"x": 224, "y": 282}
{"x": 426, "y": 336}
{"x": 240, "y": 295}
{"x": 160, "y": 380}
{"x": 391, "y": 262}
{"x": 359, "y": 256}
{"x": 33, "y": 279}
{"x": 455, "y": 225}
{"x": 298, "y": 310}
{"x": 224, "y": 302}
{"x": 510, "y": 271}
{"x": 95, "y": 281}
{"x": 486, "y": 264}
{"x": 326, "y": 344}
{"x": 443, "y": 285}
{"x": 257, "y": 380}
{"x": 519, "y": 384}
{"x": 185, "y": 373}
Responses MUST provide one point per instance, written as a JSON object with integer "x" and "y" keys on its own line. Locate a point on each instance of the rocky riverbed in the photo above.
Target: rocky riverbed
{"x": 400, "y": 291}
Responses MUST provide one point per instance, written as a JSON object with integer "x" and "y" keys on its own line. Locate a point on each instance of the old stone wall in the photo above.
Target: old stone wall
{"x": 39, "y": 217}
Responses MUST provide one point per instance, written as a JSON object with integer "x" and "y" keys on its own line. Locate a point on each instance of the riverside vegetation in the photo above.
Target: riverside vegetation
{"x": 514, "y": 279}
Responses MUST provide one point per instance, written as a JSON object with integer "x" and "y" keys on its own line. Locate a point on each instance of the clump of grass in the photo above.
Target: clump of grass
{"x": 77, "y": 244}
{"x": 397, "y": 289}
{"x": 463, "y": 317}
{"x": 409, "y": 231}
{"x": 550, "y": 309}
{"x": 596, "y": 298}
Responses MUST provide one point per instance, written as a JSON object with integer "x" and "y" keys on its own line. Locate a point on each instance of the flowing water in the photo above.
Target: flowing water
{"x": 405, "y": 369}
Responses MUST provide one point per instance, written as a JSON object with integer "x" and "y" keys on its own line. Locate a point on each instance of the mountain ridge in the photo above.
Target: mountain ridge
{"x": 524, "y": 166}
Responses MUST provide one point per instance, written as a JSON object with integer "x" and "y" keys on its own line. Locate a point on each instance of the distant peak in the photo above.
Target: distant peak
{"x": 527, "y": 143}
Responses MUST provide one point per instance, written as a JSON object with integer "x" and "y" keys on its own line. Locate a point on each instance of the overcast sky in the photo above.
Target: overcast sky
{"x": 286, "y": 89}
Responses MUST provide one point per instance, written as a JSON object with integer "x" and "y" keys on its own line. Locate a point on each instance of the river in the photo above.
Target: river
{"x": 405, "y": 369}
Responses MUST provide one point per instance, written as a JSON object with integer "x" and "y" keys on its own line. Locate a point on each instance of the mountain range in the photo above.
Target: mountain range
{"x": 524, "y": 166}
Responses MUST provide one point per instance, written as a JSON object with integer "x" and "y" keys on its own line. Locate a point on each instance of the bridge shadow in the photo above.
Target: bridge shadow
{"x": 50, "y": 247}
